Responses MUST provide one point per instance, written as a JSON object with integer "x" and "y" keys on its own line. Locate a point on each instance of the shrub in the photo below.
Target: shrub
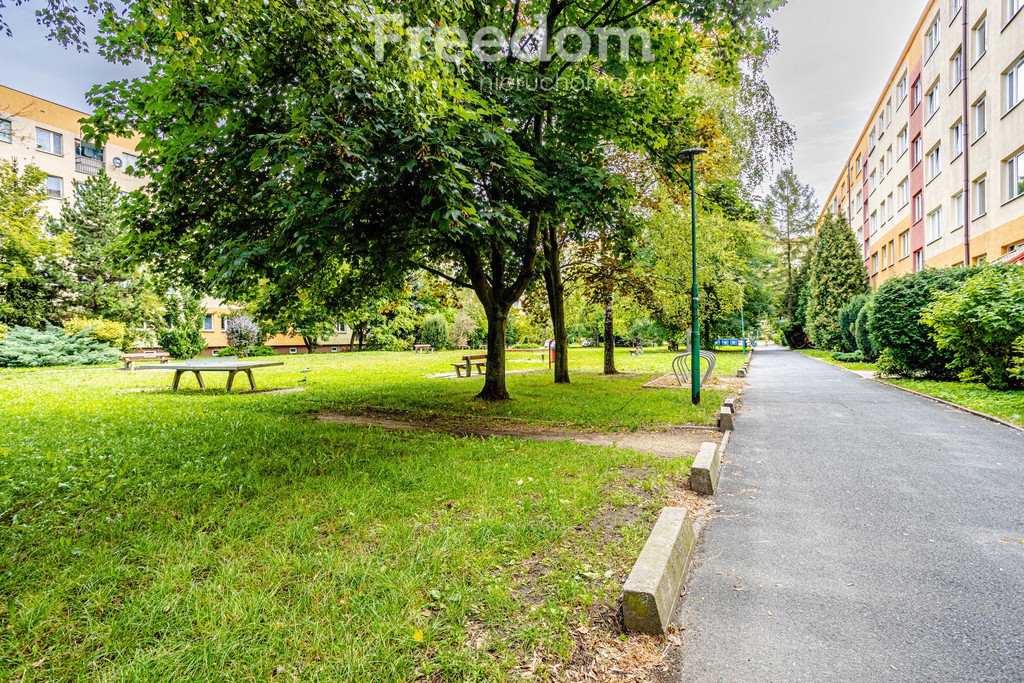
{"x": 979, "y": 324}
{"x": 897, "y": 331}
{"x": 253, "y": 352}
{"x": 106, "y": 331}
{"x": 435, "y": 331}
{"x": 462, "y": 329}
{"x": 183, "y": 338}
{"x": 243, "y": 333}
{"x": 1018, "y": 361}
{"x": 25, "y": 347}
{"x": 837, "y": 275}
{"x": 848, "y": 322}
{"x": 3, "y": 330}
{"x": 862, "y": 332}
{"x": 854, "y": 357}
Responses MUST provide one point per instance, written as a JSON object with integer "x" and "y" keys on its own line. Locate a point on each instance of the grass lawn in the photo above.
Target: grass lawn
{"x": 1008, "y": 405}
{"x": 148, "y": 535}
{"x": 827, "y": 357}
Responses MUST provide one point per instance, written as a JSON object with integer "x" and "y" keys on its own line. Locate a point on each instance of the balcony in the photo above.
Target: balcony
{"x": 88, "y": 165}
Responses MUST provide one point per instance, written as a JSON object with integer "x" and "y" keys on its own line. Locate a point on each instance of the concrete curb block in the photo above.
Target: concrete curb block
{"x": 745, "y": 370}
{"x": 726, "y": 423}
{"x": 950, "y": 404}
{"x": 650, "y": 593}
{"x": 706, "y": 468}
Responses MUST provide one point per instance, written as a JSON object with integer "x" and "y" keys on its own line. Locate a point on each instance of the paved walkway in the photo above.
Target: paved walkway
{"x": 863, "y": 534}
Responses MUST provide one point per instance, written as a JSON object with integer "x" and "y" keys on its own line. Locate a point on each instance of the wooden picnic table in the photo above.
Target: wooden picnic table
{"x": 197, "y": 367}
{"x": 130, "y": 359}
{"x": 424, "y": 348}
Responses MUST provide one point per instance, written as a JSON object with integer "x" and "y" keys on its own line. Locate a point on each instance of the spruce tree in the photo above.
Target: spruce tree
{"x": 837, "y": 275}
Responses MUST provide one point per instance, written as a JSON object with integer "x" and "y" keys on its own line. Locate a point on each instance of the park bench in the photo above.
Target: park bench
{"x": 423, "y": 348}
{"x": 228, "y": 364}
{"x": 469, "y": 362}
{"x": 130, "y": 359}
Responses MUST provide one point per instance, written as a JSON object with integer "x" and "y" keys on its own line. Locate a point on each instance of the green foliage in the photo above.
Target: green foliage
{"x": 792, "y": 209}
{"x": 854, "y": 357}
{"x": 259, "y": 351}
{"x": 106, "y": 331}
{"x": 435, "y": 331}
{"x": 904, "y": 341}
{"x": 1018, "y": 364}
{"x": 25, "y": 347}
{"x": 837, "y": 275}
{"x": 979, "y": 323}
{"x": 183, "y": 336}
{"x": 862, "y": 331}
{"x": 848, "y": 322}
{"x": 29, "y": 285}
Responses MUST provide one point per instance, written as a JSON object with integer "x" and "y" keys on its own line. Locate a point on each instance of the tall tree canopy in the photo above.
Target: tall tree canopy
{"x": 792, "y": 210}
{"x": 837, "y": 275}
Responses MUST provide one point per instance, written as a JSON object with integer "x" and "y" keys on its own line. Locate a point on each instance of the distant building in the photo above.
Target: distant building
{"x": 49, "y": 135}
{"x": 217, "y": 313}
{"x": 937, "y": 176}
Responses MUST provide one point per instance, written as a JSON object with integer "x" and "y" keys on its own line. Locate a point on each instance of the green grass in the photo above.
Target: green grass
{"x": 827, "y": 357}
{"x": 1007, "y": 405}
{"x": 148, "y": 535}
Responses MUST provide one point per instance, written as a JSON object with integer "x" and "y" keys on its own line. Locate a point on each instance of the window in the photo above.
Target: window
{"x": 918, "y": 154}
{"x": 915, "y": 100}
{"x": 933, "y": 37}
{"x": 340, "y": 328}
{"x": 918, "y": 207}
{"x": 293, "y": 350}
{"x": 891, "y": 207}
{"x": 874, "y": 222}
{"x": 903, "y": 192}
{"x": 980, "y": 38}
{"x": 892, "y": 253}
{"x": 935, "y": 224}
{"x": 1015, "y": 176}
{"x": 881, "y": 212}
{"x": 931, "y": 101}
{"x": 980, "y": 197}
{"x": 901, "y": 89}
{"x": 956, "y": 135}
{"x": 980, "y": 117}
{"x": 129, "y": 161}
{"x": 49, "y": 142}
{"x": 933, "y": 164}
{"x": 1014, "y": 86}
{"x": 956, "y": 68}
{"x": 54, "y": 187}
{"x": 919, "y": 260}
{"x": 1012, "y": 7}
{"x": 888, "y": 113}
{"x": 223, "y": 323}
{"x": 958, "y": 210}
{"x": 860, "y": 198}
{"x": 888, "y": 159}
{"x": 874, "y": 181}
{"x": 884, "y": 259}
{"x": 6, "y": 131}
{"x": 881, "y": 123}
{"x": 860, "y": 158}
{"x": 955, "y": 5}
{"x": 881, "y": 167}
{"x": 902, "y": 143}
{"x": 872, "y": 139}
{"x": 874, "y": 263}
{"x": 208, "y": 323}
{"x": 905, "y": 244}
{"x": 334, "y": 349}
{"x": 88, "y": 150}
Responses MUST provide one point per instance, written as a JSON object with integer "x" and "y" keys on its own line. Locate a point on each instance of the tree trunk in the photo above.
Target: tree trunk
{"x": 556, "y": 301}
{"x": 311, "y": 344}
{"x": 494, "y": 377}
{"x": 609, "y": 336}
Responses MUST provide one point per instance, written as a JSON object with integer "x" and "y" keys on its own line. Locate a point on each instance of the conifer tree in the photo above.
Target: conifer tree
{"x": 837, "y": 275}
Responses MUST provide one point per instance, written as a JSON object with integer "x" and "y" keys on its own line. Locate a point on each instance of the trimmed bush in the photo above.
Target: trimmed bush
{"x": 855, "y": 357}
{"x": 862, "y": 333}
{"x": 260, "y": 351}
{"x": 979, "y": 323}
{"x": 435, "y": 331}
{"x": 106, "y": 331}
{"x": 25, "y": 347}
{"x": 848, "y": 322}
{"x": 897, "y": 331}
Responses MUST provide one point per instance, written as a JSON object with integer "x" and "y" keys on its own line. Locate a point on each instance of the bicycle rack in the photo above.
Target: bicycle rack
{"x": 681, "y": 367}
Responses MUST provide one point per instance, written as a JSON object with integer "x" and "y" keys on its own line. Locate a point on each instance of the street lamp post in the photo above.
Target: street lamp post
{"x": 691, "y": 156}
{"x": 743, "y": 324}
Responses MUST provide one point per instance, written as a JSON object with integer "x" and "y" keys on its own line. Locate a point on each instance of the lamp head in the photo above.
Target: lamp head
{"x": 692, "y": 152}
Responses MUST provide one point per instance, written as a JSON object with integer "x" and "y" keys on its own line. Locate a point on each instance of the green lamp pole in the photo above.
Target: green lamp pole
{"x": 743, "y": 324}
{"x": 691, "y": 156}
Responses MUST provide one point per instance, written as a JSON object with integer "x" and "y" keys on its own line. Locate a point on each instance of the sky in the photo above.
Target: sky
{"x": 834, "y": 58}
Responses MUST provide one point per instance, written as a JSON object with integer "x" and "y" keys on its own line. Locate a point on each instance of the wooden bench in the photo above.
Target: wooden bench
{"x": 469, "y": 362}
{"x": 130, "y": 359}
{"x": 197, "y": 367}
{"x": 423, "y": 348}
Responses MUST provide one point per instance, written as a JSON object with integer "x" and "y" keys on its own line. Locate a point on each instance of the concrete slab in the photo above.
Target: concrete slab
{"x": 650, "y": 593}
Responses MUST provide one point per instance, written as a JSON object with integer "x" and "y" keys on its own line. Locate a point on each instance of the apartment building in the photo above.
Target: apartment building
{"x": 937, "y": 176}
{"x": 215, "y": 324}
{"x": 49, "y": 135}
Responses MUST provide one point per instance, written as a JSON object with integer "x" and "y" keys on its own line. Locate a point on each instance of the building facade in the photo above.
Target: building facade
{"x": 937, "y": 176}
{"x": 215, "y": 323}
{"x": 49, "y": 135}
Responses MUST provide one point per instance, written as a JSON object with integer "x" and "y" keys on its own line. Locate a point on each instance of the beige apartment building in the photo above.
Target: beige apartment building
{"x": 937, "y": 176}
{"x": 49, "y": 135}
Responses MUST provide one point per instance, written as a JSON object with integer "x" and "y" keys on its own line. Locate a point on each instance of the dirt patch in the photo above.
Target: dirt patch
{"x": 735, "y": 384}
{"x": 670, "y": 443}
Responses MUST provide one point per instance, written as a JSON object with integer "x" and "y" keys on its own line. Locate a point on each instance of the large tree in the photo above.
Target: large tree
{"x": 837, "y": 275}
{"x": 792, "y": 211}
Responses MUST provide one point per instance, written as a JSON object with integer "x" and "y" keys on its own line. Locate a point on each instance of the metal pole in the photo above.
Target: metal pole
{"x": 743, "y": 331}
{"x": 695, "y": 340}
{"x": 966, "y": 142}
